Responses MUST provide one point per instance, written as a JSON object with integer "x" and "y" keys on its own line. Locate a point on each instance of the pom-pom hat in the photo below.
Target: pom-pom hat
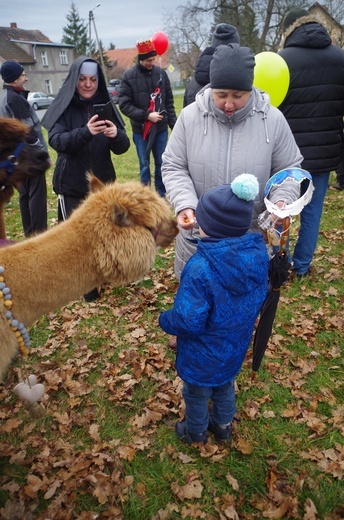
{"x": 145, "y": 50}
{"x": 232, "y": 68}
{"x": 226, "y": 210}
{"x": 224, "y": 34}
{"x": 10, "y": 71}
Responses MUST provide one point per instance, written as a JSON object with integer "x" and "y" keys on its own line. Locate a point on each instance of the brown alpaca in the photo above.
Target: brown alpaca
{"x": 16, "y": 164}
{"x": 111, "y": 238}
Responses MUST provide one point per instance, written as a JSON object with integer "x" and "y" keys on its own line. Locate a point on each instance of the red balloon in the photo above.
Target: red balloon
{"x": 160, "y": 41}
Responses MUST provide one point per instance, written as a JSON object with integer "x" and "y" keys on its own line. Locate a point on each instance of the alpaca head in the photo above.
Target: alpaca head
{"x": 127, "y": 223}
{"x": 18, "y": 159}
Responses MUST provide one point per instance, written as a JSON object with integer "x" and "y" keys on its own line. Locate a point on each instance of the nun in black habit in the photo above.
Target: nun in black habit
{"x": 82, "y": 140}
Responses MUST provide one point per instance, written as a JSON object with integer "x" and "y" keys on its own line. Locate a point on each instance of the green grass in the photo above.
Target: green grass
{"x": 106, "y": 447}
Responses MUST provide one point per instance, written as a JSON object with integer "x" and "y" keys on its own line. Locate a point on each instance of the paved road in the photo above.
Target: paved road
{"x": 40, "y": 113}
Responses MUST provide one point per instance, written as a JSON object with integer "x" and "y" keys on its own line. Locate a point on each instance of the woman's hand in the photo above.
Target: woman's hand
{"x": 186, "y": 218}
{"x": 96, "y": 126}
{"x": 110, "y": 130}
{"x": 274, "y": 218}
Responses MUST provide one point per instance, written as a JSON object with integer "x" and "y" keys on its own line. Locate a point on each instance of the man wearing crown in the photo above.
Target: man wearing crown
{"x": 146, "y": 97}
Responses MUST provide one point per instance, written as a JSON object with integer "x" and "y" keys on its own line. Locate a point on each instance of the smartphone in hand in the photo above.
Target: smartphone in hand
{"x": 100, "y": 110}
{"x": 104, "y": 111}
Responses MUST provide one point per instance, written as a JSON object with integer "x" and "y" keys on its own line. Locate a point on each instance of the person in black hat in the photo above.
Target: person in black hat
{"x": 145, "y": 96}
{"x": 223, "y": 35}
{"x": 13, "y": 103}
{"x": 222, "y": 289}
{"x": 314, "y": 109}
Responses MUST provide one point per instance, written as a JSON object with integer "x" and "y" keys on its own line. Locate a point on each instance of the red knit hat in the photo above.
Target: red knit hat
{"x": 145, "y": 50}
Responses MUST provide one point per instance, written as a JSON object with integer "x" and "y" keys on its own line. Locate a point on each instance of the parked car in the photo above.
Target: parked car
{"x": 39, "y": 100}
{"x": 113, "y": 89}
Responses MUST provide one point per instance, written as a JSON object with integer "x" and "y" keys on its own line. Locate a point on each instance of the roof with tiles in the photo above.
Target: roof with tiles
{"x": 10, "y": 50}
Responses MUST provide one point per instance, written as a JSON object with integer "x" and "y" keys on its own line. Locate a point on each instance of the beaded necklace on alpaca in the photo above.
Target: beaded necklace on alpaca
{"x": 18, "y": 328}
{"x": 29, "y": 390}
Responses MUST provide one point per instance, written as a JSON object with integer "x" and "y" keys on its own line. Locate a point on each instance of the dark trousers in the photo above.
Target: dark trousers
{"x": 33, "y": 205}
{"x": 340, "y": 174}
{"x": 340, "y": 169}
{"x": 67, "y": 204}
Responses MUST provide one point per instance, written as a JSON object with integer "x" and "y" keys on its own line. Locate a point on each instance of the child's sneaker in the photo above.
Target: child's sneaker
{"x": 221, "y": 433}
{"x": 189, "y": 438}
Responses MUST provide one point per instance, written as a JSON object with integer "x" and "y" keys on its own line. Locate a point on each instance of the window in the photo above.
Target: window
{"x": 48, "y": 87}
{"x": 44, "y": 58}
{"x": 63, "y": 58}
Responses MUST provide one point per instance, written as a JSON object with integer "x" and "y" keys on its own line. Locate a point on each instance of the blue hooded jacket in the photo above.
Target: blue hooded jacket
{"x": 222, "y": 289}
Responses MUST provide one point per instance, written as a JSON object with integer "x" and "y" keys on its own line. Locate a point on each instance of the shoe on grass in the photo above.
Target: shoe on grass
{"x": 221, "y": 433}
{"x": 301, "y": 276}
{"x": 92, "y": 295}
{"x": 189, "y": 438}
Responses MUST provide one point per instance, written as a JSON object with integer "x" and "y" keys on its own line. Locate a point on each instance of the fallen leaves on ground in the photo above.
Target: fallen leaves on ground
{"x": 90, "y": 369}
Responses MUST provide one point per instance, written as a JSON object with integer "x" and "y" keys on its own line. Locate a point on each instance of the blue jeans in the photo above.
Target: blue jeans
{"x": 158, "y": 149}
{"x": 310, "y": 218}
{"x": 196, "y": 405}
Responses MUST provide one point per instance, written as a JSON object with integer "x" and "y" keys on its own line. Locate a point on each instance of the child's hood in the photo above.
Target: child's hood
{"x": 239, "y": 263}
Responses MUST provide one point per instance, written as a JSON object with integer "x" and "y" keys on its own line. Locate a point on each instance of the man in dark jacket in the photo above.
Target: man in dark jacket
{"x": 146, "y": 97}
{"x": 222, "y": 35}
{"x": 13, "y": 103}
{"x": 314, "y": 109}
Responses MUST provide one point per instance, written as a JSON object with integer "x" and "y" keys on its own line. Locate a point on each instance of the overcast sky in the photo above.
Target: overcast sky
{"x": 121, "y": 22}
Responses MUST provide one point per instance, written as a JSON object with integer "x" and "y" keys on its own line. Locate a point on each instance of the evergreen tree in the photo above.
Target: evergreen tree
{"x": 76, "y": 32}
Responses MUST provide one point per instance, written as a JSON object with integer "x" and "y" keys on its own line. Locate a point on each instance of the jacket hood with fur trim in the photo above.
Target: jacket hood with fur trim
{"x": 306, "y": 31}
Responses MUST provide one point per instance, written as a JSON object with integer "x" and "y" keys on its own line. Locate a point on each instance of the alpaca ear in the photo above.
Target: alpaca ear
{"x": 121, "y": 218}
{"x": 94, "y": 182}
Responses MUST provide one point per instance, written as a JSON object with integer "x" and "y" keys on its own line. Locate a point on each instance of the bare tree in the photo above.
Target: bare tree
{"x": 336, "y": 9}
{"x": 258, "y": 22}
{"x": 188, "y": 32}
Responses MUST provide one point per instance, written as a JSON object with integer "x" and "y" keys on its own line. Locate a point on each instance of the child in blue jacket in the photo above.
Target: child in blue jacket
{"x": 222, "y": 289}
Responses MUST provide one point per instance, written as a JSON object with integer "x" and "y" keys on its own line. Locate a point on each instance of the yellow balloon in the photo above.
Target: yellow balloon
{"x": 271, "y": 74}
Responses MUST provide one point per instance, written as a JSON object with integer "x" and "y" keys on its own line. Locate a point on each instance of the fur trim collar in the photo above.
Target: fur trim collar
{"x": 298, "y": 23}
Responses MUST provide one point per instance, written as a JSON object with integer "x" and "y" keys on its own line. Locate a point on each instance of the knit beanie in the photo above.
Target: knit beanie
{"x": 224, "y": 34}
{"x": 232, "y": 67}
{"x": 145, "y": 50}
{"x": 10, "y": 71}
{"x": 226, "y": 210}
{"x": 294, "y": 15}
